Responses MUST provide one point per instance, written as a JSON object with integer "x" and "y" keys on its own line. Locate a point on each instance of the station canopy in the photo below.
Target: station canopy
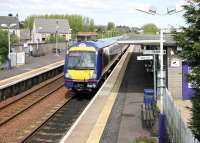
{"x": 142, "y": 39}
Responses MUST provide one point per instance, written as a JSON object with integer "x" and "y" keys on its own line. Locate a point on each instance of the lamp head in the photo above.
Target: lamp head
{"x": 4, "y": 25}
{"x": 149, "y": 10}
{"x": 171, "y": 11}
{"x": 152, "y": 10}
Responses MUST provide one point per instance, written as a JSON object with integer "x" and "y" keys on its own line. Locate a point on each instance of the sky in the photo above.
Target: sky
{"x": 121, "y": 12}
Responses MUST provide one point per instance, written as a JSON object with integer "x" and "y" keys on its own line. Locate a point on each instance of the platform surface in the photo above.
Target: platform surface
{"x": 33, "y": 63}
{"x": 124, "y": 123}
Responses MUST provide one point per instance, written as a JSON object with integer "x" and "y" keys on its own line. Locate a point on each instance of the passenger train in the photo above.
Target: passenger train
{"x": 87, "y": 62}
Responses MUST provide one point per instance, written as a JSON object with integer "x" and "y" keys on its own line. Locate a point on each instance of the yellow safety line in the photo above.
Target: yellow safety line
{"x": 96, "y": 133}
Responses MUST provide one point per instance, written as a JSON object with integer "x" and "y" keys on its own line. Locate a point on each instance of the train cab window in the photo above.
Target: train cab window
{"x": 82, "y": 60}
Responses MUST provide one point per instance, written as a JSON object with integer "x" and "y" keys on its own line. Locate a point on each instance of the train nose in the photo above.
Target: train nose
{"x": 81, "y": 74}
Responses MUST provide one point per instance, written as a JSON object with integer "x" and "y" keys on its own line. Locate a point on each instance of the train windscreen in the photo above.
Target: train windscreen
{"x": 81, "y": 60}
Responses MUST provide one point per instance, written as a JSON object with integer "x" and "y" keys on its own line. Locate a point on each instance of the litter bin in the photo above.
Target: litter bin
{"x": 148, "y": 96}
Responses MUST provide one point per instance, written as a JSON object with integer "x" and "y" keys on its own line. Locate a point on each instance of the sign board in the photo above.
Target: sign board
{"x": 25, "y": 45}
{"x": 179, "y": 48}
{"x": 142, "y": 58}
{"x": 153, "y": 52}
{"x": 187, "y": 88}
{"x": 175, "y": 63}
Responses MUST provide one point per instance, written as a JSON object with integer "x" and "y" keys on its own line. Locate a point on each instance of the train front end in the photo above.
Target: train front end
{"x": 81, "y": 68}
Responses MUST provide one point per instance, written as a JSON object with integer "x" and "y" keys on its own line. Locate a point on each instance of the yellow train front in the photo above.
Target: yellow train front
{"x": 86, "y": 63}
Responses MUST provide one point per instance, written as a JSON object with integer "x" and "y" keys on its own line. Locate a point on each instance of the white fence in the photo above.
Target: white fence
{"x": 17, "y": 58}
{"x": 177, "y": 129}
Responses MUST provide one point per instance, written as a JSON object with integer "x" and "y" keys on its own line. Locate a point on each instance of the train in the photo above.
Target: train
{"x": 88, "y": 62}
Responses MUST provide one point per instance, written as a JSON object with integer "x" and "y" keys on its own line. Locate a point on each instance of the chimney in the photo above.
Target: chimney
{"x": 10, "y": 14}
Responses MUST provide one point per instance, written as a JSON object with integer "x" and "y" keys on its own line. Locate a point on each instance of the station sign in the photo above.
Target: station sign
{"x": 153, "y": 52}
{"x": 175, "y": 63}
{"x": 179, "y": 48}
{"x": 143, "y": 58}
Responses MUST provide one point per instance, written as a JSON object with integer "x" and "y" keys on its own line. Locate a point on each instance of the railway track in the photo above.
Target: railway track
{"x": 57, "y": 125}
{"x": 53, "y": 129}
{"x": 20, "y": 105}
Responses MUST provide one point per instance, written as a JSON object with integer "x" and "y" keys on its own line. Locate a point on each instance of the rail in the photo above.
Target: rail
{"x": 18, "y": 106}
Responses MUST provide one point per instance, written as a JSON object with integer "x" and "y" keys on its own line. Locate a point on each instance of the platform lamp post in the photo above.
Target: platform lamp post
{"x": 38, "y": 39}
{"x": 9, "y": 27}
{"x": 161, "y": 116}
{"x": 69, "y": 37}
{"x": 102, "y": 34}
{"x": 57, "y": 28}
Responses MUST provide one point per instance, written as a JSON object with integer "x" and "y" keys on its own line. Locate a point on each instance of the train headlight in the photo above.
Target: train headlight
{"x": 91, "y": 85}
{"x": 67, "y": 75}
{"x": 94, "y": 75}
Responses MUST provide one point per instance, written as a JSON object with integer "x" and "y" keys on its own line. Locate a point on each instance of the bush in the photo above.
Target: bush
{"x": 144, "y": 140}
{"x": 3, "y": 46}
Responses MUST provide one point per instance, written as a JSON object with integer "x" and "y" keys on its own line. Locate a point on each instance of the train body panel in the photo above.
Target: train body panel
{"x": 80, "y": 74}
{"x": 87, "y": 62}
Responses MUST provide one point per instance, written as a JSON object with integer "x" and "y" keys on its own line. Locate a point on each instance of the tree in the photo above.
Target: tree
{"x": 150, "y": 28}
{"x": 28, "y": 23}
{"x": 189, "y": 40}
{"x": 3, "y": 46}
{"x": 91, "y": 25}
{"x": 110, "y": 26}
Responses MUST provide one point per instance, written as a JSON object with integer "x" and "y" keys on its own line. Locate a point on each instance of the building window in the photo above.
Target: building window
{"x": 43, "y": 39}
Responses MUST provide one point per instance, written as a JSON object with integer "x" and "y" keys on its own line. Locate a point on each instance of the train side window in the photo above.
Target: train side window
{"x": 105, "y": 60}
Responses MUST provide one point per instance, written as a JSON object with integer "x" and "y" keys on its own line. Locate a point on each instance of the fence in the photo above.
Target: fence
{"x": 177, "y": 129}
{"x": 41, "y": 48}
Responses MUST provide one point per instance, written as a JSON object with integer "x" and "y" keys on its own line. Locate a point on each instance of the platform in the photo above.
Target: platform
{"x": 34, "y": 62}
{"x": 36, "y": 66}
{"x": 113, "y": 115}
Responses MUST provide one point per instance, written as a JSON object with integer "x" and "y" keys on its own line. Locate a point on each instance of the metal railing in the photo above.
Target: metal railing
{"x": 177, "y": 129}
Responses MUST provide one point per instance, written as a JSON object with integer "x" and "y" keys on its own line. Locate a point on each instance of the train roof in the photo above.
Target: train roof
{"x": 101, "y": 43}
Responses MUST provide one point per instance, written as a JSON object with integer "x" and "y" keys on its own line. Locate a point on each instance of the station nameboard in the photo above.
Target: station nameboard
{"x": 153, "y": 52}
{"x": 142, "y": 58}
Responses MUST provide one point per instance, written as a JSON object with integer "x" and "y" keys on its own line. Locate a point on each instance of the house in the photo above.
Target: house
{"x": 25, "y": 35}
{"x": 43, "y": 28}
{"x": 86, "y": 36}
{"x": 11, "y": 23}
